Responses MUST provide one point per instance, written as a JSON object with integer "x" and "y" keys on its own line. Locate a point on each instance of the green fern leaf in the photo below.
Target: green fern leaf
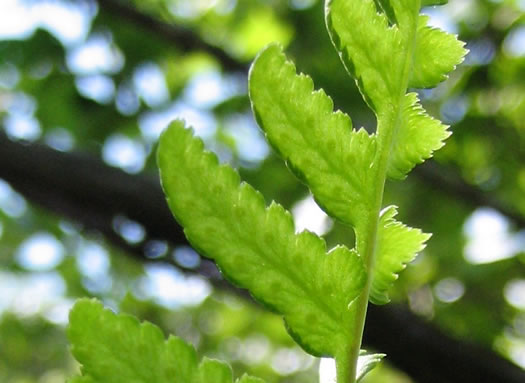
{"x": 214, "y": 371}
{"x": 418, "y": 136}
{"x": 117, "y": 348}
{"x": 257, "y": 248}
{"x": 408, "y": 53}
{"x": 397, "y": 245}
{"x": 437, "y": 53}
{"x": 366, "y": 363}
{"x": 319, "y": 145}
{"x": 366, "y": 49}
{"x": 387, "y": 47}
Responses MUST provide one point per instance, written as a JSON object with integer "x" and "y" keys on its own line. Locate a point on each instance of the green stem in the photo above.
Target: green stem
{"x": 346, "y": 364}
{"x": 366, "y": 235}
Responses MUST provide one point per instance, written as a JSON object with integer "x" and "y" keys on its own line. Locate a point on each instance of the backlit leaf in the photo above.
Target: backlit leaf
{"x": 385, "y": 60}
{"x": 397, "y": 245}
{"x": 418, "y": 136}
{"x": 214, "y": 371}
{"x": 437, "y": 53}
{"x": 256, "y": 246}
{"x": 367, "y": 49}
{"x": 319, "y": 145}
{"x": 366, "y": 362}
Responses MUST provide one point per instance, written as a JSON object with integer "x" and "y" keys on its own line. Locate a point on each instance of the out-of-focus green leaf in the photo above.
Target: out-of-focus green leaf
{"x": 117, "y": 348}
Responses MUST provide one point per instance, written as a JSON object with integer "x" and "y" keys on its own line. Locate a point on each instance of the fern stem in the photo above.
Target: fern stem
{"x": 366, "y": 235}
{"x": 346, "y": 365}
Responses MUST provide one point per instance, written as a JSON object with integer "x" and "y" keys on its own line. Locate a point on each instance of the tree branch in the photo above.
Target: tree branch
{"x": 430, "y": 356}
{"x": 185, "y": 39}
{"x": 86, "y": 190}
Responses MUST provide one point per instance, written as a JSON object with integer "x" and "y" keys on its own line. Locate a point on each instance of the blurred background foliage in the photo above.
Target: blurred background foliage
{"x": 104, "y": 78}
